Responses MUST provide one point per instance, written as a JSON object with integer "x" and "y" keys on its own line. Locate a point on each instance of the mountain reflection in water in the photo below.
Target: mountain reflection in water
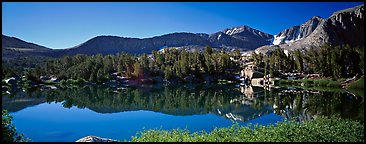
{"x": 228, "y": 101}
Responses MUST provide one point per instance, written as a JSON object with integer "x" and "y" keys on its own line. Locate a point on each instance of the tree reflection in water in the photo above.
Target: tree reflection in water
{"x": 229, "y": 101}
{"x": 304, "y": 104}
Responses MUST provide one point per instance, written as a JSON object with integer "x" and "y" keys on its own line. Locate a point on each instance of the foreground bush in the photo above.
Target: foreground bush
{"x": 320, "y": 130}
{"x": 8, "y": 129}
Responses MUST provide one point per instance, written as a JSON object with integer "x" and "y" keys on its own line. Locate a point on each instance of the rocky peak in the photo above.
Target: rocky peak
{"x": 348, "y": 26}
{"x": 245, "y": 30}
{"x": 242, "y": 37}
{"x": 348, "y": 15}
{"x": 343, "y": 27}
{"x": 357, "y": 11}
{"x": 309, "y": 26}
{"x": 297, "y": 32}
{"x": 235, "y": 30}
{"x": 313, "y": 21}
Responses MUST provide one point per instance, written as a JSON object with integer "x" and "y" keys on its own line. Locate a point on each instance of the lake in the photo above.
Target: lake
{"x": 68, "y": 114}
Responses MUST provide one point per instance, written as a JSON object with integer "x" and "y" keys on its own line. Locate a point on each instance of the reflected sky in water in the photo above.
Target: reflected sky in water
{"x": 70, "y": 114}
{"x": 53, "y": 122}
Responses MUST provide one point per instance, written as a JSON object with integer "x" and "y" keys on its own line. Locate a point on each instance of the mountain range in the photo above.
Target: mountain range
{"x": 342, "y": 27}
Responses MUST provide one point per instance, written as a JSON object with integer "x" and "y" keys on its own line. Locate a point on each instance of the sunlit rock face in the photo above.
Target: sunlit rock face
{"x": 297, "y": 32}
{"x": 242, "y": 37}
{"x": 342, "y": 27}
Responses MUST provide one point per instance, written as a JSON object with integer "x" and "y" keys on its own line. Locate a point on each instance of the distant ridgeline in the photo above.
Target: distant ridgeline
{"x": 242, "y": 38}
{"x": 343, "y": 27}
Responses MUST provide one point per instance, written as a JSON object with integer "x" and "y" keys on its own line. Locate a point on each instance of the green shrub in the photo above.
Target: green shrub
{"x": 333, "y": 84}
{"x": 341, "y": 79}
{"x": 321, "y": 129}
{"x": 63, "y": 82}
{"x": 358, "y": 92}
{"x": 321, "y": 83}
{"x": 276, "y": 82}
{"x": 279, "y": 82}
{"x": 296, "y": 82}
{"x": 78, "y": 81}
{"x": 359, "y": 84}
{"x": 49, "y": 82}
{"x": 284, "y": 82}
{"x": 307, "y": 82}
{"x": 69, "y": 81}
{"x": 8, "y": 129}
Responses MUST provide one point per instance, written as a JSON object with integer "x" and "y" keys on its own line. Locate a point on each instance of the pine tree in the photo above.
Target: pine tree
{"x": 120, "y": 69}
{"x": 208, "y": 50}
{"x": 167, "y": 72}
{"x": 100, "y": 76}
{"x": 92, "y": 77}
{"x": 138, "y": 71}
{"x": 298, "y": 60}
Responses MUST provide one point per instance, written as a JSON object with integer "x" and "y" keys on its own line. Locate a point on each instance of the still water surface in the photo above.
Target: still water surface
{"x": 68, "y": 114}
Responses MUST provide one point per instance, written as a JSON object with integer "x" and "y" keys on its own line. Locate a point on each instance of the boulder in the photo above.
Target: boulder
{"x": 54, "y": 79}
{"x": 43, "y": 78}
{"x": 95, "y": 139}
{"x": 11, "y": 81}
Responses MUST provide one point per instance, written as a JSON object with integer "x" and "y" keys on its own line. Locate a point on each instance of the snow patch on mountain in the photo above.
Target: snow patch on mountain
{"x": 278, "y": 39}
{"x": 237, "y": 30}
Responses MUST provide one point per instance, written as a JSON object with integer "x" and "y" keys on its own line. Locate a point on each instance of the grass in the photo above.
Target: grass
{"x": 327, "y": 89}
{"x": 309, "y": 83}
{"x": 359, "y": 84}
{"x": 227, "y": 81}
{"x": 357, "y": 92}
{"x": 49, "y": 82}
{"x": 357, "y": 87}
{"x": 321, "y": 129}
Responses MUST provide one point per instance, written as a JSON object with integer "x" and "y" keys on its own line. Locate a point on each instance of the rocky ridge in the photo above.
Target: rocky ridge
{"x": 342, "y": 27}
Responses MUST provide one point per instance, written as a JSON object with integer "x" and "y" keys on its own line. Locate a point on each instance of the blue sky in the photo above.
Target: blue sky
{"x": 67, "y": 24}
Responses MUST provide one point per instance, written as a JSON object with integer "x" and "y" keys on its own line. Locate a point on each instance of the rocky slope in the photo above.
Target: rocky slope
{"x": 243, "y": 37}
{"x": 13, "y": 42}
{"x": 114, "y": 44}
{"x": 14, "y": 47}
{"x": 297, "y": 32}
{"x": 342, "y": 27}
